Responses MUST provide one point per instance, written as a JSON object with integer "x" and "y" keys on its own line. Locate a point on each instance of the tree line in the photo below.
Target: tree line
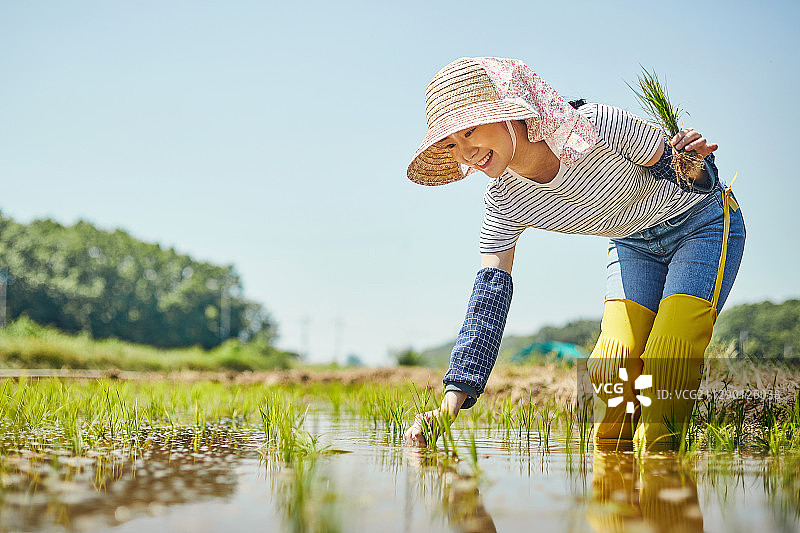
{"x": 762, "y": 329}
{"x": 111, "y": 285}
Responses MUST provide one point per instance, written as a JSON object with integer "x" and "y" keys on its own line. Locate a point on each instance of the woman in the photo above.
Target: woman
{"x": 674, "y": 248}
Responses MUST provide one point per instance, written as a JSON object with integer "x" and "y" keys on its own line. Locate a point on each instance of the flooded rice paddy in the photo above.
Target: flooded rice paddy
{"x": 212, "y": 457}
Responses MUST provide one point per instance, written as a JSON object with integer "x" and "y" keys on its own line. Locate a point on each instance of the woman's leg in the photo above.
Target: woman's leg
{"x": 634, "y": 284}
{"x": 702, "y": 267}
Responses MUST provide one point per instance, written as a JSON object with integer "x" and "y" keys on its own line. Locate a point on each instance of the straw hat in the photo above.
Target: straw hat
{"x": 480, "y": 90}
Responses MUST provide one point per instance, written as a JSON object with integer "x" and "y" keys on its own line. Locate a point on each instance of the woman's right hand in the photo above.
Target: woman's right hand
{"x": 415, "y": 435}
{"x": 690, "y": 139}
{"x": 451, "y": 404}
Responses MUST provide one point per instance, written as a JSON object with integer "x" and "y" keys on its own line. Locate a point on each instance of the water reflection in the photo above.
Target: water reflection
{"x": 101, "y": 489}
{"x": 305, "y": 493}
{"x": 456, "y": 491}
{"x": 650, "y": 492}
{"x": 781, "y": 481}
{"x": 381, "y": 486}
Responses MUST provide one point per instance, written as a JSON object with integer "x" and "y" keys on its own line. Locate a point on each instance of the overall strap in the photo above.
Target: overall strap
{"x": 728, "y": 204}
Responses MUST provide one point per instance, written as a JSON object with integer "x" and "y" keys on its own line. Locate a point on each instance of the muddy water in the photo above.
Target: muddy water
{"x": 220, "y": 480}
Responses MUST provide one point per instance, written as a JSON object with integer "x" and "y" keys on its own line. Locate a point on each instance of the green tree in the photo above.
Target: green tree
{"x": 766, "y": 329}
{"x": 109, "y": 284}
{"x": 408, "y": 357}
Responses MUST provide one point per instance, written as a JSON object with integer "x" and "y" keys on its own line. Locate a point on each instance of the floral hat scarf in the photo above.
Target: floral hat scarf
{"x": 474, "y": 91}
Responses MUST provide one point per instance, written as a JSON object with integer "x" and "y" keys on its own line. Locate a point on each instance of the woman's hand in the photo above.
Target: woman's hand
{"x": 415, "y": 435}
{"x": 451, "y": 404}
{"x": 688, "y": 139}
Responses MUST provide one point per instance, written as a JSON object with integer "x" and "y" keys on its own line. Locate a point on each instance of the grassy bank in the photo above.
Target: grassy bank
{"x": 25, "y": 344}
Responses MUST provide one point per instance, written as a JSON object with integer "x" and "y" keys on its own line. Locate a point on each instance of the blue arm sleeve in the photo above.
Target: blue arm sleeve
{"x": 478, "y": 341}
{"x": 662, "y": 170}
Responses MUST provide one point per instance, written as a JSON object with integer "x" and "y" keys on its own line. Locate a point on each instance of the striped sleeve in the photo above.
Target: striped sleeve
{"x": 627, "y": 134}
{"x": 498, "y": 232}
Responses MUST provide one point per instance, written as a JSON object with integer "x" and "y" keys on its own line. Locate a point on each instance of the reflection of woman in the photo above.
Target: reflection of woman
{"x": 627, "y": 490}
{"x": 588, "y": 169}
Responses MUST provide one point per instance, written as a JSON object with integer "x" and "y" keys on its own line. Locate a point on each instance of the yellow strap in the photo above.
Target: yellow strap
{"x": 728, "y": 204}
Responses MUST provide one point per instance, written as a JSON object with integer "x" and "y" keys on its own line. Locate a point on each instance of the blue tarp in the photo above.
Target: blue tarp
{"x": 562, "y": 350}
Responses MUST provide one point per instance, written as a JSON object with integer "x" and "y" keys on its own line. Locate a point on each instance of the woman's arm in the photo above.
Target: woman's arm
{"x": 502, "y": 260}
{"x": 454, "y": 399}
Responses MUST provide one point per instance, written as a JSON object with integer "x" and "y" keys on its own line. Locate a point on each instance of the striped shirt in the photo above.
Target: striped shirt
{"x": 607, "y": 192}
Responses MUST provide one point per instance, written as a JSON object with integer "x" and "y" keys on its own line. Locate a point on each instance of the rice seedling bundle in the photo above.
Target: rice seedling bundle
{"x": 653, "y": 96}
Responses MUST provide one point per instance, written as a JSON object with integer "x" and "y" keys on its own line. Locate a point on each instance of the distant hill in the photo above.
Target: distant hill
{"x": 763, "y": 329}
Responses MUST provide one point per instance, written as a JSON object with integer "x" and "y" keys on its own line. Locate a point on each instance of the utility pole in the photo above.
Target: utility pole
{"x": 305, "y": 324}
{"x": 743, "y": 335}
{"x": 3, "y": 285}
{"x": 338, "y": 325}
{"x": 225, "y": 309}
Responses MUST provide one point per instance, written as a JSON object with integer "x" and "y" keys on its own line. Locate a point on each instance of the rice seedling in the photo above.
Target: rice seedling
{"x": 568, "y": 417}
{"x": 585, "y": 426}
{"x": 507, "y": 417}
{"x": 335, "y": 396}
{"x": 653, "y": 97}
{"x": 526, "y": 413}
{"x": 678, "y": 435}
{"x": 472, "y": 447}
{"x": 282, "y": 423}
{"x": 546, "y": 417}
{"x": 422, "y": 401}
{"x": 440, "y": 426}
{"x": 491, "y": 419}
{"x": 780, "y": 427}
{"x": 73, "y": 431}
{"x": 720, "y": 425}
{"x": 392, "y": 410}
{"x": 723, "y": 438}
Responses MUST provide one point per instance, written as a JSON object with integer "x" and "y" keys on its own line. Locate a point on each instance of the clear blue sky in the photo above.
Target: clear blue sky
{"x": 275, "y": 136}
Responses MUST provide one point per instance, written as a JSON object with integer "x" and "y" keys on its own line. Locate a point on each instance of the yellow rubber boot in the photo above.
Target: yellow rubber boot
{"x": 623, "y": 335}
{"x": 674, "y": 358}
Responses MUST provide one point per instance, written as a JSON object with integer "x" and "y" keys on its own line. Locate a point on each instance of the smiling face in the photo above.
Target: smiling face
{"x": 487, "y": 148}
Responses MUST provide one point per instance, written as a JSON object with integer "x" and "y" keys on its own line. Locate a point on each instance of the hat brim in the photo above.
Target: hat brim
{"x": 432, "y": 165}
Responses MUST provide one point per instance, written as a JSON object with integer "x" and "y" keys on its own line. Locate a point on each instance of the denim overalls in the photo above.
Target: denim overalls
{"x": 665, "y": 286}
{"x": 678, "y": 256}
